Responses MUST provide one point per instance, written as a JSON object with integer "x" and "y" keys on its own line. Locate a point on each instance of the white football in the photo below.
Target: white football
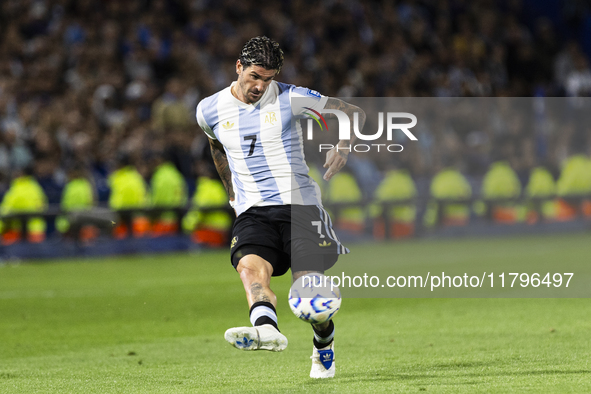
{"x": 314, "y": 299}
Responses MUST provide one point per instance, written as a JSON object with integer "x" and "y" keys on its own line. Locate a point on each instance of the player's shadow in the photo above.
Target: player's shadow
{"x": 393, "y": 375}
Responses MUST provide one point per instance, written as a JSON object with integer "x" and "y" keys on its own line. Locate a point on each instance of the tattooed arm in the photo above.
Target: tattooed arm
{"x": 221, "y": 164}
{"x": 336, "y": 158}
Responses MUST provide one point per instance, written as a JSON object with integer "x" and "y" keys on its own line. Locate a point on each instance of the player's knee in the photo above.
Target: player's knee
{"x": 254, "y": 268}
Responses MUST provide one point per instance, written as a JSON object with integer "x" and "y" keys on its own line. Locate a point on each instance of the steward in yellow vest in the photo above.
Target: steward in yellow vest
{"x": 128, "y": 191}
{"x": 78, "y": 195}
{"x": 209, "y": 227}
{"x": 396, "y": 186}
{"x": 500, "y": 182}
{"x": 541, "y": 184}
{"x": 169, "y": 190}
{"x": 449, "y": 184}
{"x": 343, "y": 188}
{"x": 574, "y": 183}
{"x": 24, "y": 195}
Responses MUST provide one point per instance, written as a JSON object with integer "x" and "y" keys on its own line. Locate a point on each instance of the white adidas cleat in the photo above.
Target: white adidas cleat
{"x": 265, "y": 337}
{"x": 323, "y": 364}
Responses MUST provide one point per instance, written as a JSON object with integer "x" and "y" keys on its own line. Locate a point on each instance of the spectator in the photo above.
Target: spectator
{"x": 169, "y": 110}
{"x": 578, "y": 81}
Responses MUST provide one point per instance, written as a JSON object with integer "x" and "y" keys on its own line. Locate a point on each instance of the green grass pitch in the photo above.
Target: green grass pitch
{"x": 155, "y": 324}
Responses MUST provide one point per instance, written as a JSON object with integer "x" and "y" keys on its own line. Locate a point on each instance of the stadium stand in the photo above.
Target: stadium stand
{"x": 84, "y": 82}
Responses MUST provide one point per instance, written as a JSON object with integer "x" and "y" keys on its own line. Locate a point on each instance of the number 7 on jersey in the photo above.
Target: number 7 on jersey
{"x": 252, "y": 137}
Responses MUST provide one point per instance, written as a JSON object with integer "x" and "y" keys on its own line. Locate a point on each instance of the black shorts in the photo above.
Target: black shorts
{"x": 299, "y": 237}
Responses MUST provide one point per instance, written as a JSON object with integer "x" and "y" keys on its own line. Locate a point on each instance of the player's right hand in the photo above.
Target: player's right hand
{"x": 335, "y": 160}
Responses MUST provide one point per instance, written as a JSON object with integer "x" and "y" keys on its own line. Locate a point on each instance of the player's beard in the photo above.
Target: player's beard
{"x": 248, "y": 95}
{"x": 251, "y": 97}
{"x": 255, "y": 97}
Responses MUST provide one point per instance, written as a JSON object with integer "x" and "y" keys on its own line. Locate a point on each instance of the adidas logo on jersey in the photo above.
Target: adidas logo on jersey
{"x": 324, "y": 244}
{"x": 228, "y": 125}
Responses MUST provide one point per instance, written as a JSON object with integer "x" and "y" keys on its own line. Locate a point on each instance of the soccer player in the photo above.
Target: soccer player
{"x": 280, "y": 220}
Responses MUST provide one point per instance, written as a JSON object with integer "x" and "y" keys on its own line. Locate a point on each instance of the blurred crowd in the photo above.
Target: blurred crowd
{"x": 85, "y": 84}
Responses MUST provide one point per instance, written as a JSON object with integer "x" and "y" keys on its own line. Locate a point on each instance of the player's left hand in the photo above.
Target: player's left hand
{"x": 335, "y": 160}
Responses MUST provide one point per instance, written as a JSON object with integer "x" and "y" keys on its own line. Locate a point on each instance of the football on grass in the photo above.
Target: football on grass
{"x": 313, "y": 299}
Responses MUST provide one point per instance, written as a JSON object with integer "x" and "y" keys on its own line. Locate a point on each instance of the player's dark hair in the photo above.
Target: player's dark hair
{"x": 262, "y": 51}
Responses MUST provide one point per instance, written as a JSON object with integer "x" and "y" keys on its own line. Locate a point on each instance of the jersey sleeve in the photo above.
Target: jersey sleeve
{"x": 203, "y": 123}
{"x": 305, "y": 98}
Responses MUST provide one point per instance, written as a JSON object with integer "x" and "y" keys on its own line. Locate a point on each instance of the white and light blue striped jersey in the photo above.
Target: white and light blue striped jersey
{"x": 264, "y": 147}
